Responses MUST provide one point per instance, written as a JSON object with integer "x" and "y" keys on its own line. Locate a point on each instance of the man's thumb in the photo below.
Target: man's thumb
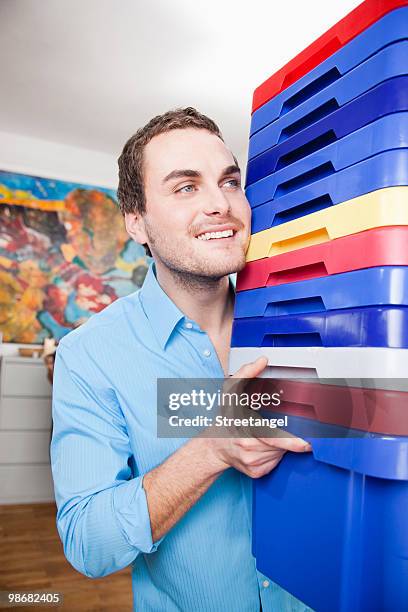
{"x": 253, "y": 369}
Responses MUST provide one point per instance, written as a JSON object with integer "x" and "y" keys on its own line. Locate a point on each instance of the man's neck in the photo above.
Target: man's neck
{"x": 209, "y": 302}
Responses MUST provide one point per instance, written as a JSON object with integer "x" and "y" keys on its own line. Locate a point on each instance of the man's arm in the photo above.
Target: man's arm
{"x": 105, "y": 517}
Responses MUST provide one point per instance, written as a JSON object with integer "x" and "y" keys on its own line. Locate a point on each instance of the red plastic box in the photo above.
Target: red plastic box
{"x": 361, "y": 18}
{"x": 383, "y": 246}
{"x": 381, "y": 411}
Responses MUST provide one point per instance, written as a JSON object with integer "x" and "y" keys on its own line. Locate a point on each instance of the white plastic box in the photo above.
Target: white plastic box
{"x": 383, "y": 368}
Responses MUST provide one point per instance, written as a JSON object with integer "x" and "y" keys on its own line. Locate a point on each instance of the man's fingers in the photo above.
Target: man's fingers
{"x": 253, "y": 369}
{"x": 267, "y": 445}
{"x": 295, "y": 445}
{"x": 288, "y": 443}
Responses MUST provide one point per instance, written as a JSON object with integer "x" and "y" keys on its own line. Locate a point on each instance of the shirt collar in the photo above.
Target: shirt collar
{"x": 161, "y": 311}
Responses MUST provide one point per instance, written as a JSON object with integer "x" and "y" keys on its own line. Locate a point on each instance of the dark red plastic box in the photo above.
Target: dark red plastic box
{"x": 371, "y": 410}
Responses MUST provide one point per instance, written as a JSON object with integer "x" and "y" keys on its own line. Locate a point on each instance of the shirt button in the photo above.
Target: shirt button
{"x": 206, "y": 353}
{"x": 189, "y": 325}
{"x": 265, "y": 584}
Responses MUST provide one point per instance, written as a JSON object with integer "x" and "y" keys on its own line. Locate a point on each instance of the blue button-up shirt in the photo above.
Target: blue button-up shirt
{"x": 104, "y": 440}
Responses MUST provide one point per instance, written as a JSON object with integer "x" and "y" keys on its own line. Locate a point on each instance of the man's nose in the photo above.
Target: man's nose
{"x": 217, "y": 203}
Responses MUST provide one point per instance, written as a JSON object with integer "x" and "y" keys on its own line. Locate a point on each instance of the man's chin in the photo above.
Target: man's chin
{"x": 217, "y": 269}
{"x": 210, "y": 266}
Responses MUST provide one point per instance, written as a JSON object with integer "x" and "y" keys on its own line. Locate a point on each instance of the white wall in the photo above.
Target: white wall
{"x": 53, "y": 160}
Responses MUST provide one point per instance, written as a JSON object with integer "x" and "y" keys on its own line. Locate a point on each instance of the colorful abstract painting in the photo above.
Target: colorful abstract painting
{"x": 64, "y": 255}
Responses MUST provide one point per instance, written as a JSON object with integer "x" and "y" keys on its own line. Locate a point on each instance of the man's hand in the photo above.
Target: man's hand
{"x": 175, "y": 485}
{"x": 254, "y": 456}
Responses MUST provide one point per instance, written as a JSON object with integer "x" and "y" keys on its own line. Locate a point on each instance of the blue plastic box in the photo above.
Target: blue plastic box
{"x": 382, "y": 286}
{"x": 331, "y": 527}
{"x": 391, "y": 28}
{"x": 386, "y": 98}
{"x": 372, "y": 326}
{"x": 386, "y": 64}
{"x": 388, "y": 169}
{"x": 385, "y": 134}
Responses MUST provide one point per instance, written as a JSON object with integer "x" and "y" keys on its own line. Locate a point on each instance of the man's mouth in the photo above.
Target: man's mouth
{"x": 228, "y": 233}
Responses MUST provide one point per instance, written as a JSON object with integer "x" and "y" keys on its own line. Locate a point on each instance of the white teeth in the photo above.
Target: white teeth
{"x": 212, "y": 235}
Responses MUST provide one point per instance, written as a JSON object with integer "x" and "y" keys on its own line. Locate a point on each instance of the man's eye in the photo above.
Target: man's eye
{"x": 186, "y": 189}
{"x": 231, "y": 183}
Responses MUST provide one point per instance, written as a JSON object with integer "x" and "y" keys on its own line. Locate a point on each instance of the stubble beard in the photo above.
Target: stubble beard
{"x": 188, "y": 266}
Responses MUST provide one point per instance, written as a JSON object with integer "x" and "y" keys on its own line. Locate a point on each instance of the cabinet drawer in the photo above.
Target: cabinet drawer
{"x": 24, "y": 446}
{"x": 24, "y": 379}
{"x": 25, "y": 484}
{"x": 25, "y": 413}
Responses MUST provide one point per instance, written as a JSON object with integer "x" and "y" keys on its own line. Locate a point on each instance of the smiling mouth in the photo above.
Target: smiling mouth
{"x": 225, "y": 234}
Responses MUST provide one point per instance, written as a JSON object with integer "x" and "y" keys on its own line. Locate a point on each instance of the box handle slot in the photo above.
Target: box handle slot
{"x": 321, "y": 111}
{"x": 311, "y": 176}
{"x": 301, "y": 210}
{"x": 303, "y": 240}
{"x": 284, "y": 307}
{"x": 315, "y": 270}
{"x": 307, "y": 149}
{"x": 310, "y": 90}
{"x": 292, "y": 339}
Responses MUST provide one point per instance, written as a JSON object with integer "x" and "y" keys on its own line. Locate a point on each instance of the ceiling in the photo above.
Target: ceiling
{"x": 88, "y": 73}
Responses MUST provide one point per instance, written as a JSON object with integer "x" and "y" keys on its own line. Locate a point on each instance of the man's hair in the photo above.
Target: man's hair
{"x": 131, "y": 194}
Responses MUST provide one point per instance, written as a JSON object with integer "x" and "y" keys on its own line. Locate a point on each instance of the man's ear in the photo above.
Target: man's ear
{"x": 135, "y": 227}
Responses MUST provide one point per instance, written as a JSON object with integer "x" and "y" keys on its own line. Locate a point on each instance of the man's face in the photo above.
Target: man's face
{"x": 197, "y": 218}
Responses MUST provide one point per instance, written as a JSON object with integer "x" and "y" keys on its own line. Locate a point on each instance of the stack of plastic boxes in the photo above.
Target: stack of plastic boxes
{"x": 325, "y": 293}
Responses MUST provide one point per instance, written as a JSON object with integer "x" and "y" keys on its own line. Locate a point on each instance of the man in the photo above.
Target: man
{"x": 173, "y": 509}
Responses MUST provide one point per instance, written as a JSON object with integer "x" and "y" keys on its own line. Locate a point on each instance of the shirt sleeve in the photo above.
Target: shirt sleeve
{"x": 102, "y": 515}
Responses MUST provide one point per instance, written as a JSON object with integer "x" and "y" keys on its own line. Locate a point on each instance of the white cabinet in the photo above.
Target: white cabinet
{"x": 25, "y": 484}
{"x": 25, "y": 413}
{"x": 25, "y": 429}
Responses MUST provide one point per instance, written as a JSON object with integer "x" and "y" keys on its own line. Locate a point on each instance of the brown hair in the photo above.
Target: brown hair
{"x": 131, "y": 193}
